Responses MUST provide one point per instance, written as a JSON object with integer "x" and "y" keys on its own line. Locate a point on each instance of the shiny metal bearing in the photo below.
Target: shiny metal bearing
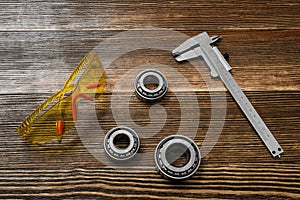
{"x": 170, "y": 150}
{"x": 117, "y": 136}
{"x": 151, "y": 86}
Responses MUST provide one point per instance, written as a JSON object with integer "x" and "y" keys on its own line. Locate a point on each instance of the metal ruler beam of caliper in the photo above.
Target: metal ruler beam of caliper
{"x": 203, "y": 46}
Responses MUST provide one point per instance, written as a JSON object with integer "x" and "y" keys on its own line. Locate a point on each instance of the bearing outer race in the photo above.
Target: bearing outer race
{"x": 116, "y": 149}
{"x": 172, "y": 172}
{"x": 116, "y": 153}
{"x": 149, "y": 95}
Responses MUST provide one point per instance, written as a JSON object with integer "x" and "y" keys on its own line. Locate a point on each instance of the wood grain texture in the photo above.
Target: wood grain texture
{"x": 41, "y": 42}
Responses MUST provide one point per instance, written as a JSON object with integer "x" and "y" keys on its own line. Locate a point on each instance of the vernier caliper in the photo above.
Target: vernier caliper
{"x": 203, "y": 46}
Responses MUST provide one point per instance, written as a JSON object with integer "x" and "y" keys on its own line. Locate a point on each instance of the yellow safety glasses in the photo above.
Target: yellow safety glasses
{"x": 45, "y": 124}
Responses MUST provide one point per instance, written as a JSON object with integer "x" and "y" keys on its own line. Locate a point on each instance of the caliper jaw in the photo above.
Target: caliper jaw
{"x": 194, "y": 48}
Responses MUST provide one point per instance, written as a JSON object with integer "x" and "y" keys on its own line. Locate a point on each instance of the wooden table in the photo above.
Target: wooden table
{"x": 41, "y": 43}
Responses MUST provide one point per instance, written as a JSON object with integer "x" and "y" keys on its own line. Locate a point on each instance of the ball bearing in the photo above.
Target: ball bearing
{"x": 121, "y": 143}
{"x": 151, "y": 85}
{"x": 177, "y": 157}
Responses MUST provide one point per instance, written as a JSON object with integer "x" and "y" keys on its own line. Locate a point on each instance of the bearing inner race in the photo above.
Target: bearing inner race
{"x": 177, "y": 148}
{"x": 151, "y": 85}
{"x": 121, "y": 143}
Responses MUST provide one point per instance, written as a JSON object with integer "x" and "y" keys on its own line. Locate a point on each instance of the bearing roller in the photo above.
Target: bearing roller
{"x": 177, "y": 157}
{"x": 121, "y": 143}
{"x": 151, "y": 86}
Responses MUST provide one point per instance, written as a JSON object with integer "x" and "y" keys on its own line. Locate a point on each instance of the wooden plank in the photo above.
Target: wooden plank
{"x": 116, "y": 15}
{"x": 259, "y": 59}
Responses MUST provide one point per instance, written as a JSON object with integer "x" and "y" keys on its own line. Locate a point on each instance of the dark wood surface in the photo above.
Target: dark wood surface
{"x": 41, "y": 42}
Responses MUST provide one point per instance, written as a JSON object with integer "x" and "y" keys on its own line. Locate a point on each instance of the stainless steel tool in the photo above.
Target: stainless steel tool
{"x": 203, "y": 46}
